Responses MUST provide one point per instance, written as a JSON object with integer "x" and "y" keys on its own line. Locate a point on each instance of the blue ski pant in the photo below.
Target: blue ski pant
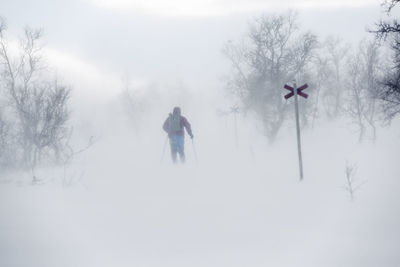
{"x": 177, "y": 143}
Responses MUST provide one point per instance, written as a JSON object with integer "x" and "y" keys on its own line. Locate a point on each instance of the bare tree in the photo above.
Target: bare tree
{"x": 272, "y": 54}
{"x": 352, "y": 183}
{"x": 39, "y": 105}
{"x": 7, "y": 158}
{"x": 363, "y": 75}
{"x": 389, "y": 89}
{"x": 336, "y": 54}
{"x": 384, "y": 27}
{"x": 322, "y": 71}
{"x": 389, "y": 4}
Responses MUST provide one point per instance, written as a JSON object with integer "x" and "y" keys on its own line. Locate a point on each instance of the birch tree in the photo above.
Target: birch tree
{"x": 274, "y": 52}
{"x": 38, "y": 105}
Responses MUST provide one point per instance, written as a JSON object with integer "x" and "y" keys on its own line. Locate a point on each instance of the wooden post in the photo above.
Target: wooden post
{"x": 235, "y": 111}
{"x": 296, "y": 107}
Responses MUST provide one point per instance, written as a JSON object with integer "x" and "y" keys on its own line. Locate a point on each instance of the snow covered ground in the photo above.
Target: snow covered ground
{"x": 234, "y": 207}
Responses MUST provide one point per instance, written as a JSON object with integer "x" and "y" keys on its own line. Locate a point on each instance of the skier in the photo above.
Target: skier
{"x": 174, "y": 125}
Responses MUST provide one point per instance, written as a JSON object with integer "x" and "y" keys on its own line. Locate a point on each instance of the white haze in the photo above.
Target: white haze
{"x": 122, "y": 203}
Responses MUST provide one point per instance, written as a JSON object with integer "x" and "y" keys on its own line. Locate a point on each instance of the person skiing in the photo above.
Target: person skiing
{"x": 174, "y": 125}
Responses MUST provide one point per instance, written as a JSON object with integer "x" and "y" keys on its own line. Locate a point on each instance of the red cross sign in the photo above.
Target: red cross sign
{"x": 299, "y": 91}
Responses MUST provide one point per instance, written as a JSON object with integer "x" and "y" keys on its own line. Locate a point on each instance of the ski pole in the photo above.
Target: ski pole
{"x": 163, "y": 152}
{"x": 194, "y": 150}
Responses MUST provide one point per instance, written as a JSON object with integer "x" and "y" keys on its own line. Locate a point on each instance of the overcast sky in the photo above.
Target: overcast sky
{"x": 176, "y": 40}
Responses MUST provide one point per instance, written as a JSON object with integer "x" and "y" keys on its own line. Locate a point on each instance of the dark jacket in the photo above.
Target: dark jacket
{"x": 183, "y": 124}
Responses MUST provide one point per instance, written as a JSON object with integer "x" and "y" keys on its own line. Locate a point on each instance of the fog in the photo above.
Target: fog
{"x": 238, "y": 199}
